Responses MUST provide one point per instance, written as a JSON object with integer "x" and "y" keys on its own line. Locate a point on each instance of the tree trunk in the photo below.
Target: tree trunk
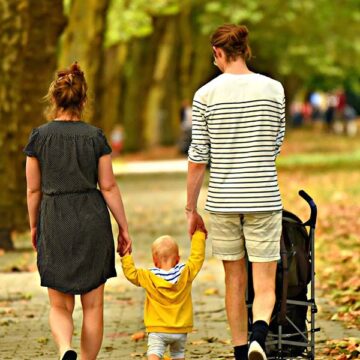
{"x": 160, "y": 71}
{"x": 137, "y": 80}
{"x": 29, "y": 31}
{"x": 112, "y": 96}
{"x": 83, "y": 42}
{"x": 157, "y": 115}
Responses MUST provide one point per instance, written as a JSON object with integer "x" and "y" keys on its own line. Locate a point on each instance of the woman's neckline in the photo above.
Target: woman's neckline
{"x": 66, "y": 121}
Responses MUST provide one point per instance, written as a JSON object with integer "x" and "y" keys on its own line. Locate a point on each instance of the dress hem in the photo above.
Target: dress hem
{"x": 78, "y": 292}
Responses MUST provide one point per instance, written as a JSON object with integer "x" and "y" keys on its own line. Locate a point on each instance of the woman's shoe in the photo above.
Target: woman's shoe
{"x": 69, "y": 355}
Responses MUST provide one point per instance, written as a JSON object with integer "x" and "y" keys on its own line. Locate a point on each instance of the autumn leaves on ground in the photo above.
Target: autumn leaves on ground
{"x": 326, "y": 166}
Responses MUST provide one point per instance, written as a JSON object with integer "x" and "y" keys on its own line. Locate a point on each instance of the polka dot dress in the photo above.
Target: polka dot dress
{"x": 75, "y": 246}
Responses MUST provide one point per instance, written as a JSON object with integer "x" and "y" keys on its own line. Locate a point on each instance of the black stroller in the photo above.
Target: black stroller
{"x": 292, "y": 327}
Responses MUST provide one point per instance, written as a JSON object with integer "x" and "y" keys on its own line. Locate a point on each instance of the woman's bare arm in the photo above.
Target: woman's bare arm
{"x": 112, "y": 196}
{"x": 33, "y": 193}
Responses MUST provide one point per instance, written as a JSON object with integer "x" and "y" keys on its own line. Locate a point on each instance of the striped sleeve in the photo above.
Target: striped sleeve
{"x": 199, "y": 151}
{"x": 281, "y": 133}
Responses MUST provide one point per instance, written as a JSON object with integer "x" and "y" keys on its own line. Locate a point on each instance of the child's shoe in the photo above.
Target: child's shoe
{"x": 256, "y": 352}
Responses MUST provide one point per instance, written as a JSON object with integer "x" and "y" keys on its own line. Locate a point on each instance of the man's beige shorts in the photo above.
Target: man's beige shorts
{"x": 259, "y": 233}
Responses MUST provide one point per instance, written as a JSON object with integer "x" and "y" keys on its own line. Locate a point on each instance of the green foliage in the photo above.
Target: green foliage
{"x": 130, "y": 19}
{"x": 311, "y": 41}
{"x": 67, "y": 6}
{"x": 296, "y": 38}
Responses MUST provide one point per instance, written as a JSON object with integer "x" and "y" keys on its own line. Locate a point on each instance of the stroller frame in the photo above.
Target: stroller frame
{"x": 308, "y": 335}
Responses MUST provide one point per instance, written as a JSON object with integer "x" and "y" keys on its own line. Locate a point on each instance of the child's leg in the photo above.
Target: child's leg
{"x": 156, "y": 346}
{"x": 92, "y": 327}
{"x": 153, "y": 357}
{"x": 177, "y": 346}
{"x": 60, "y": 318}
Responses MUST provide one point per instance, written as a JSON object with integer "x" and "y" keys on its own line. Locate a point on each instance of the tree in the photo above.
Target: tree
{"x": 140, "y": 42}
{"x": 29, "y": 30}
{"x": 160, "y": 57}
{"x": 83, "y": 41}
{"x": 296, "y": 41}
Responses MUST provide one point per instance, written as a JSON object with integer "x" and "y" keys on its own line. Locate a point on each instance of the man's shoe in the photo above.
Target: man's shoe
{"x": 256, "y": 352}
{"x": 69, "y": 355}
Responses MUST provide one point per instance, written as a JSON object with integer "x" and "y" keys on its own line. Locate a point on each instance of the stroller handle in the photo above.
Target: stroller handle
{"x": 313, "y": 213}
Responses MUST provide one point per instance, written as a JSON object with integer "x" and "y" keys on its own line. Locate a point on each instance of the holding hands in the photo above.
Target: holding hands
{"x": 195, "y": 222}
{"x": 124, "y": 246}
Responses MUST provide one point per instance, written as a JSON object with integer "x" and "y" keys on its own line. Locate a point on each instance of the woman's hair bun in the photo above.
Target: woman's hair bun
{"x": 68, "y": 91}
{"x": 75, "y": 69}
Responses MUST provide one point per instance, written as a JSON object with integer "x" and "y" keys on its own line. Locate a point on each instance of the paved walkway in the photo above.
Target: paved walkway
{"x": 150, "y": 167}
{"x": 24, "y": 331}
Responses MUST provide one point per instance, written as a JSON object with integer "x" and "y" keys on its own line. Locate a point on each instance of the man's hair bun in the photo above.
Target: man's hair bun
{"x": 242, "y": 31}
{"x": 233, "y": 39}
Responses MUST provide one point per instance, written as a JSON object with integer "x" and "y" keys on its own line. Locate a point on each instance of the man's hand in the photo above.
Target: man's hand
{"x": 195, "y": 222}
{"x": 33, "y": 237}
{"x": 124, "y": 243}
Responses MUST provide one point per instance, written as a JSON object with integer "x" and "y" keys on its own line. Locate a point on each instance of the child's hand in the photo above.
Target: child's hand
{"x": 203, "y": 230}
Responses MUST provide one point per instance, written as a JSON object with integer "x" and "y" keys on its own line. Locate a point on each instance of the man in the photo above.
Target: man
{"x": 239, "y": 125}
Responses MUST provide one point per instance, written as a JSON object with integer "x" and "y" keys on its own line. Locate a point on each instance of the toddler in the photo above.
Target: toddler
{"x": 168, "y": 313}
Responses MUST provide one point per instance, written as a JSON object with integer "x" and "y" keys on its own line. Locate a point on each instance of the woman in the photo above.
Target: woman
{"x": 69, "y": 220}
{"x": 238, "y": 126}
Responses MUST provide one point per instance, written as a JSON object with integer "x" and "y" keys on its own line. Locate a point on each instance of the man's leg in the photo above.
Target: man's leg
{"x": 264, "y": 288}
{"x": 236, "y": 283}
{"x": 262, "y": 233}
{"x": 263, "y": 305}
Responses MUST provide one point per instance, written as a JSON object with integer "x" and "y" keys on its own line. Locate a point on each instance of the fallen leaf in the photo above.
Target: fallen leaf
{"x": 341, "y": 357}
{"x": 117, "y": 335}
{"x": 139, "y": 355}
{"x": 211, "y": 291}
{"x": 42, "y": 340}
{"x": 140, "y": 335}
{"x": 211, "y": 339}
{"x": 198, "y": 342}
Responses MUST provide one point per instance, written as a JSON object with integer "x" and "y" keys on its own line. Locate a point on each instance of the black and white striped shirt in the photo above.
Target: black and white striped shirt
{"x": 171, "y": 275}
{"x": 238, "y": 124}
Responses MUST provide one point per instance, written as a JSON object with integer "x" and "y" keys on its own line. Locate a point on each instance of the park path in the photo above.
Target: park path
{"x": 150, "y": 167}
{"x": 24, "y": 331}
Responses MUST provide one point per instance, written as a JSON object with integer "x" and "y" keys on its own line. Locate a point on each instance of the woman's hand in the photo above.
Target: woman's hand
{"x": 195, "y": 222}
{"x": 124, "y": 243}
{"x": 33, "y": 237}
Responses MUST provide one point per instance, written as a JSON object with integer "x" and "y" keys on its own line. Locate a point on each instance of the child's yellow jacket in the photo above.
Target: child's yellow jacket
{"x": 168, "y": 307}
